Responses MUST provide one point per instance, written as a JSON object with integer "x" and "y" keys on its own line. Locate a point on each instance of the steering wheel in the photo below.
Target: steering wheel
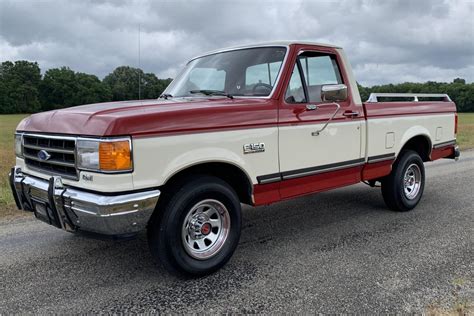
{"x": 261, "y": 84}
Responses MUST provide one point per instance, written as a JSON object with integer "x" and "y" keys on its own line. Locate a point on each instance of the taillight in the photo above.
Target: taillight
{"x": 455, "y": 123}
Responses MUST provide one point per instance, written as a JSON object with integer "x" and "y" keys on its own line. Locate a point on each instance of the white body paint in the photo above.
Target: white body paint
{"x": 159, "y": 158}
{"x": 402, "y": 129}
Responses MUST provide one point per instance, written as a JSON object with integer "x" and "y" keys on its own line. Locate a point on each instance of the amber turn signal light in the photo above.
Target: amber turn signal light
{"x": 115, "y": 156}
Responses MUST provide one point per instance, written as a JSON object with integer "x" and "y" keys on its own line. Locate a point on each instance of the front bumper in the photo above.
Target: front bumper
{"x": 77, "y": 210}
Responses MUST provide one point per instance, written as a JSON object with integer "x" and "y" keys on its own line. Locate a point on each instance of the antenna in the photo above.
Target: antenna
{"x": 139, "y": 79}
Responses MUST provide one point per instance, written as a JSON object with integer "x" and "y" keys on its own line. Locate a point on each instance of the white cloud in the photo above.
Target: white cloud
{"x": 389, "y": 41}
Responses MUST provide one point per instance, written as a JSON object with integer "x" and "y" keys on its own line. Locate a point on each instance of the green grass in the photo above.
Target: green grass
{"x": 465, "y": 135}
{"x": 8, "y": 124}
{"x": 7, "y": 156}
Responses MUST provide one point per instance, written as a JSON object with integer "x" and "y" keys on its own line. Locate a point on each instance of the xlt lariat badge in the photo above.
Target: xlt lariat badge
{"x": 87, "y": 177}
{"x": 254, "y": 148}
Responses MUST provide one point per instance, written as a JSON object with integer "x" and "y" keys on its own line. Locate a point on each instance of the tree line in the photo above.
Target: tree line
{"x": 24, "y": 90}
{"x": 459, "y": 91}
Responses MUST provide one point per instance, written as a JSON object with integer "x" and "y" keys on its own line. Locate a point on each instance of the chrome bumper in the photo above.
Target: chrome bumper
{"x": 76, "y": 210}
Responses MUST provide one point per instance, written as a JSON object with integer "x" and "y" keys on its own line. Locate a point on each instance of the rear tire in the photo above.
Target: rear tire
{"x": 403, "y": 187}
{"x": 198, "y": 229}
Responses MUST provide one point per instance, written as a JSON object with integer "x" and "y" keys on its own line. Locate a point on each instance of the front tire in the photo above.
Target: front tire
{"x": 198, "y": 228}
{"x": 403, "y": 187}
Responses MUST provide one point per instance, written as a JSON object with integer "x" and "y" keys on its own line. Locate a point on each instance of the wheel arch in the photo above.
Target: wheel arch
{"x": 227, "y": 171}
{"x": 420, "y": 143}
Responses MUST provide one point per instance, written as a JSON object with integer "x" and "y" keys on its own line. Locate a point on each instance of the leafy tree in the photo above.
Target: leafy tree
{"x": 62, "y": 87}
{"x": 152, "y": 87}
{"x": 89, "y": 89}
{"x": 123, "y": 83}
{"x": 58, "y": 88}
{"x": 19, "y": 84}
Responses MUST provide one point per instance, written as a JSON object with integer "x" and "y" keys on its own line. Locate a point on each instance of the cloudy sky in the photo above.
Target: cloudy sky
{"x": 387, "y": 41}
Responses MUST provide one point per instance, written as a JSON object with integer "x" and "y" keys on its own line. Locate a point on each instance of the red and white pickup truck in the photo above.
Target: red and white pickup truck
{"x": 252, "y": 125}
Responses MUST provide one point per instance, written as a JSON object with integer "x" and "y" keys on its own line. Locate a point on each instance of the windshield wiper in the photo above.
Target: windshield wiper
{"x": 165, "y": 96}
{"x": 212, "y": 92}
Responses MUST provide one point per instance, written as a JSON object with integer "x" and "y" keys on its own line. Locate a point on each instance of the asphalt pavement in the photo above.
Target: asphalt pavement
{"x": 333, "y": 252}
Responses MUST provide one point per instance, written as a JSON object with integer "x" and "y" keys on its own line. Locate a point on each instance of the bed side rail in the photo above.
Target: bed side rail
{"x": 374, "y": 96}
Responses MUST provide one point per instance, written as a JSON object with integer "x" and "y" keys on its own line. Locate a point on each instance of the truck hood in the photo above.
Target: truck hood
{"x": 148, "y": 117}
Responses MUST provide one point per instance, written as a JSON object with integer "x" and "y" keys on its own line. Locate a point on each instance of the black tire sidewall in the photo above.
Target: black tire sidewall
{"x": 175, "y": 214}
{"x": 408, "y": 158}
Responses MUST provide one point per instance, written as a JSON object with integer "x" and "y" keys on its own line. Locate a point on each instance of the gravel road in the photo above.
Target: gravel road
{"x": 334, "y": 252}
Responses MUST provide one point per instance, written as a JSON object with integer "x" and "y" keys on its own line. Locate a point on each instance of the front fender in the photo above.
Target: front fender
{"x": 202, "y": 156}
{"x": 157, "y": 159}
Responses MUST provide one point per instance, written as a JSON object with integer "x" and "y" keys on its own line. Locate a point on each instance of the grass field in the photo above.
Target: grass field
{"x": 465, "y": 135}
{"x": 7, "y": 156}
{"x": 7, "y": 160}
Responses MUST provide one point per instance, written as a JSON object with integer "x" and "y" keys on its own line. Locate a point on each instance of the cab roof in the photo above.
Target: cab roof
{"x": 264, "y": 44}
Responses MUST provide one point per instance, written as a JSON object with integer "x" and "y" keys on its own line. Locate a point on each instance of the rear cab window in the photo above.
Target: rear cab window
{"x": 262, "y": 73}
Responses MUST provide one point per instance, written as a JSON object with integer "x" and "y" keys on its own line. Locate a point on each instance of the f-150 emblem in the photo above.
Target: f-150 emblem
{"x": 43, "y": 155}
{"x": 254, "y": 148}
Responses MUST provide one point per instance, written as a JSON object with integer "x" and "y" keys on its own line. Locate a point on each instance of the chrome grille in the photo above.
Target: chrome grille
{"x": 61, "y": 151}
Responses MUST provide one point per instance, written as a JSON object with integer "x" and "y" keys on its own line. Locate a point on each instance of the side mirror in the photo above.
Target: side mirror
{"x": 334, "y": 92}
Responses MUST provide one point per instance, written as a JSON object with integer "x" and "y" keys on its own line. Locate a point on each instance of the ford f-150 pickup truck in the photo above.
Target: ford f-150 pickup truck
{"x": 244, "y": 125}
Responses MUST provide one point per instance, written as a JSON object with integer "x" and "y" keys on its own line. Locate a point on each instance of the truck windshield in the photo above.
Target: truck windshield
{"x": 244, "y": 72}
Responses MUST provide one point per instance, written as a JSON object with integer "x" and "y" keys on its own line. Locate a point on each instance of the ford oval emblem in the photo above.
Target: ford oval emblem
{"x": 43, "y": 155}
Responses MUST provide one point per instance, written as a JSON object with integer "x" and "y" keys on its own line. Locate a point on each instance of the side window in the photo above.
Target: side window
{"x": 295, "y": 92}
{"x": 208, "y": 79}
{"x": 319, "y": 70}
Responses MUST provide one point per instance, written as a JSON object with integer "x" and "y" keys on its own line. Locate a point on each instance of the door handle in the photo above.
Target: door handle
{"x": 311, "y": 107}
{"x": 350, "y": 113}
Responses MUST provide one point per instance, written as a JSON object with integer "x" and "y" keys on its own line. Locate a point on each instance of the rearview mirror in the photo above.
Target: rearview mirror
{"x": 334, "y": 92}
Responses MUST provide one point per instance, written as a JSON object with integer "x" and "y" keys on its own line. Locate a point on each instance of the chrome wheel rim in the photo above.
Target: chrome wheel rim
{"x": 205, "y": 229}
{"x": 412, "y": 181}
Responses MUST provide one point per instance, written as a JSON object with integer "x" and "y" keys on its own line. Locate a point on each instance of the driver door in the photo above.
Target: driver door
{"x": 315, "y": 157}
